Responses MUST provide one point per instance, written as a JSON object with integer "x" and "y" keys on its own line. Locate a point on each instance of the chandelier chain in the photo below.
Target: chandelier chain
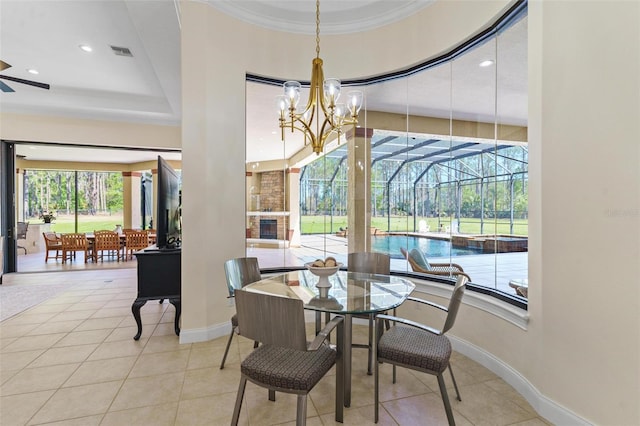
{"x": 317, "y": 28}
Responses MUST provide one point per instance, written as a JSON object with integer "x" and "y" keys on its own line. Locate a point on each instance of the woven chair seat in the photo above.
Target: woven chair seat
{"x": 445, "y": 269}
{"x": 287, "y": 368}
{"x": 417, "y": 348}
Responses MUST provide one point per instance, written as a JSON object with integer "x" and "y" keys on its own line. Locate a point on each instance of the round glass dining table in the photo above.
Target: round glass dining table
{"x": 350, "y": 293}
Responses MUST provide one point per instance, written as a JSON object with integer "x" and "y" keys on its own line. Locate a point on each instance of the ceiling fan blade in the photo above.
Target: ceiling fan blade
{"x": 4, "y": 65}
{"x": 5, "y": 88}
{"x": 28, "y": 82}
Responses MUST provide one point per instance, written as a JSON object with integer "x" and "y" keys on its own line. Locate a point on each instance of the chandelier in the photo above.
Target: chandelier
{"x": 323, "y": 98}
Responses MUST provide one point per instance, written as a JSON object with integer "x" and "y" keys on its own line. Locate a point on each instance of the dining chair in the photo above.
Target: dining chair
{"x": 52, "y": 242}
{"x": 284, "y": 362}
{"x": 134, "y": 241}
{"x": 73, "y": 243}
{"x": 370, "y": 263}
{"x": 239, "y": 272}
{"x": 419, "y": 347}
{"x": 108, "y": 241}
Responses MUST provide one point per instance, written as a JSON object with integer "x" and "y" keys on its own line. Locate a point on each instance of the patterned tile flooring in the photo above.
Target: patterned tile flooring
{"x": 71, "y": 360}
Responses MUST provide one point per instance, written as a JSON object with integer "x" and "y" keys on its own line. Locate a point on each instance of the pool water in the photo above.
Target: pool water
{"x": 390, "y": 244}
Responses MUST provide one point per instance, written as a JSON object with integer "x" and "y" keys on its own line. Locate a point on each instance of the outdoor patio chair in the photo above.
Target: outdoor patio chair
{"x": 21, "y": 234}
{"x": 412, "y": 345}
{"x": 370, "y": 263}
{"x": 52, "y": 242}
{"x": 284, "y": 362}
{"x": 419, "y": 263}
{"x": 239, "y": 272}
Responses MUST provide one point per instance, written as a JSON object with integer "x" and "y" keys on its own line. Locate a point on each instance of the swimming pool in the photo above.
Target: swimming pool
{"x": 390, "y": 244}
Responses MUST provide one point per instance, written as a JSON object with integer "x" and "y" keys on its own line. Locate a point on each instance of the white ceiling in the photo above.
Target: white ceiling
{"x": 46, "y": 35}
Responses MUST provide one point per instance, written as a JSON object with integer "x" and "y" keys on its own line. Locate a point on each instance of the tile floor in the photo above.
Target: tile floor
{"x": 71, "y": 360}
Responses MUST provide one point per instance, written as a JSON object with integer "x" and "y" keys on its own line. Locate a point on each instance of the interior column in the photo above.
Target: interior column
{"x": 132, "y": 217}
{"x": 359, "y": 190}
{"x": 293, "y": 206}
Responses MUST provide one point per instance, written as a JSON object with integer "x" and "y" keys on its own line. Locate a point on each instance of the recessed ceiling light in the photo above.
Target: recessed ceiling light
{"x": 32, "y": 71}
{"x": 487, "y": 63}
{"x": 86, "y": 48}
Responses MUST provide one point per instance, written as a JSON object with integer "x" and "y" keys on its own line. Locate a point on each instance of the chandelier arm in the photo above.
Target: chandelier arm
{"x": 305, "y": 129}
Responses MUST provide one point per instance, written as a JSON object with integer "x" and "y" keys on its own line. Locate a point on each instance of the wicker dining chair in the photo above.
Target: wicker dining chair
{"x": 239, "y": 272}
{"x": 370, "y": 263}
{"x": 412, "y": 345}
{"x": 108, "y": 241}
{"x": 284, "y": 362}
{"x": 73, "y": 243}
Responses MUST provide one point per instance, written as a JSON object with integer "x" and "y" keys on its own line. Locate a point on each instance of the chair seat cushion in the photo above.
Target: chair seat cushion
{"x": 416, "y": 348}
{"x": 419, "y": 258}
{"x": 287, "y": 368}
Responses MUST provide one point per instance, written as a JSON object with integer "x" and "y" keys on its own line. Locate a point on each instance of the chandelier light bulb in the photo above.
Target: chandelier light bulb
{"x": 292, "y": 93}
{"x": 281, "y": 104}
{"x": 355, "y": 101}
{"x": 331, "y": 90}
{"x": 339, "y": 113}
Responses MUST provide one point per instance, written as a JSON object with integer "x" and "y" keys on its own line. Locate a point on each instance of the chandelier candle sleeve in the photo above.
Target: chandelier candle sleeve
{"x": 323, "y": 97}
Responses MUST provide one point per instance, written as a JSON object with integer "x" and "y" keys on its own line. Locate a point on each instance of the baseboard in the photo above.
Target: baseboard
{"x": 204, "y": 334}
{"x": 545, "y": 407}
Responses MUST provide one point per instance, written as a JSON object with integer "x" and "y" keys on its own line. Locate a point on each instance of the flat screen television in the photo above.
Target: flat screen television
{"x": 168, "y": 215}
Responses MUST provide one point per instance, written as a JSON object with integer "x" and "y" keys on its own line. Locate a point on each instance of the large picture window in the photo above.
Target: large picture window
{"x": 80, "y": 201}
{"x": 444, "y": 170}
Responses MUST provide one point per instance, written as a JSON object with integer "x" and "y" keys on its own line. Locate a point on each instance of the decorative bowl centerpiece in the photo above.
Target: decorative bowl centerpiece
{"x": 323, "y": 269}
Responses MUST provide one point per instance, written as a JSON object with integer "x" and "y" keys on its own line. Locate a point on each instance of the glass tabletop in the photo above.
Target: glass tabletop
{"x": 350, "y": 292}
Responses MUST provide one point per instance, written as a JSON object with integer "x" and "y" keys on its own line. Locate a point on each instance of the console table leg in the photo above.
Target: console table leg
{"x": 135, "y": 309}
{"x": 178, "y": 306}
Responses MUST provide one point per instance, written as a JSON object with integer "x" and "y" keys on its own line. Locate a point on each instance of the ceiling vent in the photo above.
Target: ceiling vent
{"x": 122, "y": 51}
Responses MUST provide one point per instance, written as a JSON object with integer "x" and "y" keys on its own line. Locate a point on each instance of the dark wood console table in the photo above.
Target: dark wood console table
{"x": 159, "y": 274}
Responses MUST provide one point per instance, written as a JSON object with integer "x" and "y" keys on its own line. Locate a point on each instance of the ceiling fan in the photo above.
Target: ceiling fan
{"x": 5, "y": 88}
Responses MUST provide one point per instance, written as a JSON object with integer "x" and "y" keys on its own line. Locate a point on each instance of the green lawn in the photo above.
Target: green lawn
{"x": 86, "y": 223}
{"x": 325, "y": 225}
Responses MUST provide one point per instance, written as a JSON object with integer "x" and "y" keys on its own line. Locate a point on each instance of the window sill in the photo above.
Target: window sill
{"x": 504, "y": 310}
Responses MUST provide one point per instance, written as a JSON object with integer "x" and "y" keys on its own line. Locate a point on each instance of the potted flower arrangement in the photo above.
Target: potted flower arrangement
{"x": 47, "y": 217}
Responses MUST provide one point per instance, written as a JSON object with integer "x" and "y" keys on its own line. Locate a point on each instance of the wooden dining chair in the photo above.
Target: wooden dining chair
{"x": 106, "y": 241}
{"x": 134, "y": 241}
{"x": 52, "y": 242}
{"x": 73, "y": 243}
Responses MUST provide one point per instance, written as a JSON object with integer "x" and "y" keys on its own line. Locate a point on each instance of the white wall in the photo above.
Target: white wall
{"x": 585, "y": 147}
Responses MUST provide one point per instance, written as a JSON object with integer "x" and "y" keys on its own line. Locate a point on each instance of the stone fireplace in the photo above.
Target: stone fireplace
{"x": 271, "y": 220}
